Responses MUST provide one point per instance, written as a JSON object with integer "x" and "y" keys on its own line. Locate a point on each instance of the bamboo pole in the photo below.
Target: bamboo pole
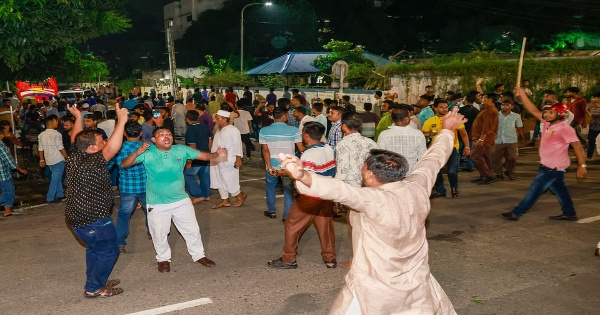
{"x": 520, "y": 71}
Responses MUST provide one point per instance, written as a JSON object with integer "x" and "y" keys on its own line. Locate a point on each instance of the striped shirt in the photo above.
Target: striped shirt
{"x": 319, "y": 158}
{"x": 279, "y": 138}
{"x": 335, "y": 134}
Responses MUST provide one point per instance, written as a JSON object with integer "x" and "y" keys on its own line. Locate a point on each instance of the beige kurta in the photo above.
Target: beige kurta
{"x": 390, "y": 270}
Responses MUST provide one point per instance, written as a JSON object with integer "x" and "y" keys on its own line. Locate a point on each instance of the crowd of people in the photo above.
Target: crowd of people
{"x": 324, "y": 153}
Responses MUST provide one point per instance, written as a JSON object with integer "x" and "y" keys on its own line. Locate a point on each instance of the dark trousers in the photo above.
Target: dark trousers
{"x": 482, "y": 158}
{"x": 248, "y": 143}
{"x": 592, "y": 135}
{"x": 508, "y": 151}
{"x": 304, "y": 212}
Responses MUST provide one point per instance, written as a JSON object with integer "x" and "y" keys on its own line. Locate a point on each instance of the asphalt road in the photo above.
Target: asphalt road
{"x": 485, "y": 265}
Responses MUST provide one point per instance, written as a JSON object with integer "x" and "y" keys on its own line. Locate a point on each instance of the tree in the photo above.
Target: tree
{"x": 35, "y": 33}
{"x": 359, "y": 66}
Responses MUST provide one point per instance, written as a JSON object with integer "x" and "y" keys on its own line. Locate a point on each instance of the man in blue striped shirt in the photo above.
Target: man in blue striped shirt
{"x": 274, "y": 139}
{"x": 306, "y": 210}
{"x": 132, "y": 183}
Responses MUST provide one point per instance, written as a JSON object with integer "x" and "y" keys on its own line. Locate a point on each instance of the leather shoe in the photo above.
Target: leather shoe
{"x": 436, "y": 195}
{"x": 164, "y": 266}
{"x": 509, "y": 216}
{"x": 206, "y": 262}
{"x": 597, "y": 252}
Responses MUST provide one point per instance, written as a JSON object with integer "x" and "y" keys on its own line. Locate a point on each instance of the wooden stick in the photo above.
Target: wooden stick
{"x": 520, "y": 71}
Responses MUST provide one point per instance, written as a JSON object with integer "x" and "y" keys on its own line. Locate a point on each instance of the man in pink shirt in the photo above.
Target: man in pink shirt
{"x": 554, "y": 158}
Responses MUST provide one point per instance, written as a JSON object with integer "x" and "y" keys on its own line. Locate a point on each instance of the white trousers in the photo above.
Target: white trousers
{"x": 183, "y": 215}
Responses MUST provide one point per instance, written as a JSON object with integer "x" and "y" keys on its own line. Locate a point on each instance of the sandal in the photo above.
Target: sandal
{"x": 239, "y": 200}
{"x": 112, "y": 283}
{"x": 220, "y": 205}
{"x": 104, "y": 292}
{"x": 330, "y": 264}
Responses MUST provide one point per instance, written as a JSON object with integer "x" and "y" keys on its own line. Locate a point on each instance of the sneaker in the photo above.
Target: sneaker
{"x": 509, "y": 216}
{"x": 270, "y": 215}
{"x": 280, "y": 264}
{"x": 562, "y": 217}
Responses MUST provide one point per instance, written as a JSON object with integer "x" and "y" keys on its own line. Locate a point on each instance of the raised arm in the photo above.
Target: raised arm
{"x": 533, "y": 110}
{"x": 113, "y": 145}
{"x": 131, "y": 159}
{"x": 78, "y": 126}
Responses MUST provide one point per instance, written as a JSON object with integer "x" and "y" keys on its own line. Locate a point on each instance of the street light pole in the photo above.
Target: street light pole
{"x": 242, "y": 32}
{"x": 171, "y": 51}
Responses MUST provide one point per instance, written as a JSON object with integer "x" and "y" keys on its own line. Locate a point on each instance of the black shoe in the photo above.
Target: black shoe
{"x": 280, "y": 264}
{"x": 436, "y": 195}
{"x": 488, "y": 180}
{"x": 562, "y": 217}
{"x": 455, "y": 192}
{"x": 509, "y": 216}
{"x": 499, "y": 177}
{"x": 477, "y": 180}
{"x": 270, "y": 215}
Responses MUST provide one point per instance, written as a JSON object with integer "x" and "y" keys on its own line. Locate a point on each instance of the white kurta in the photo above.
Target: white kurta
{"x": 223, "y": 175}
{"x": 390, "y": 270}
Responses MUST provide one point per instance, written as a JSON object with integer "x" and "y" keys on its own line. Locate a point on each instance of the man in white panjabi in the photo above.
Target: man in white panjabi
{"x": 390, "y": 271}
{"x": 225, "y": 174}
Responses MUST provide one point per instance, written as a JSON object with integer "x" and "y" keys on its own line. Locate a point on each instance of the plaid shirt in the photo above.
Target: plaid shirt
{"x": 7, "y": 163}
{"x": 335, "y": 134}
{"x": 291, "y": 119}
{"x": 132, "y": 180}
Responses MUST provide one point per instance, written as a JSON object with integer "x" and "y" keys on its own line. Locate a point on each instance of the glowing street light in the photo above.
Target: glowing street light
{"x": 242, "y": 31}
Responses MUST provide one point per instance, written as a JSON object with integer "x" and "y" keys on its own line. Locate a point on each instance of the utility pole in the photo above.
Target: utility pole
{"x": 171, "y": 51}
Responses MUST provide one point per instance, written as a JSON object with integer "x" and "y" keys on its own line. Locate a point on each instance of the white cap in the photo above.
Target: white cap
{"x": 223, "y": 113}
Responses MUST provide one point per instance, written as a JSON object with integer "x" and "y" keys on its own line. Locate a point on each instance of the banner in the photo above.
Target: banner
{"x": 46, "y": 89}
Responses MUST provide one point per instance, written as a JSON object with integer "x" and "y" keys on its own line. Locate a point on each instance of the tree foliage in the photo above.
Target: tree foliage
{"x": 359, "y": 67}
{"x": 37, "y": 32}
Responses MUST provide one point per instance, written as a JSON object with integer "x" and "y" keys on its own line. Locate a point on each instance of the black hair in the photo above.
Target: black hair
{"x": 346, "y": 98}
{"x": 157, "y": 129}
{"x": 283, "y": 102}
{"x": 279, "y": 112}
{"x": 368, "y": 106}
{"x": 86, "y": 138}
{"x": 200, "y": 106}
{"x": 378, "y": 93}
{"x": 352, "y": 120}
{"x": 398, "y": 114}
{"x": 147, "y": 114}
{"x": 314, "y": 130}
{"x": 437, "y": 101}
{"x": 133, "y": 129}
{"x": 340, "y": 109}
{"x": 192, "y": 115}
{"x": 50, "y": 119}
{"x": 318, "y": 106}
{"x": 492, "y": 96}
{"x": 301, "y": 109}
{"x": 387, "y": 167}
{"x": 111, "y": 114}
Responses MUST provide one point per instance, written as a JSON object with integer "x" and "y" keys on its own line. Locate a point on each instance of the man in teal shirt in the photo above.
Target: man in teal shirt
{"x": 166, "y": 197}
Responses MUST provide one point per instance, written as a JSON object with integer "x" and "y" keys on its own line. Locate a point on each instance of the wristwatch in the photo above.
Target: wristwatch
{"x": 583, "y": 165}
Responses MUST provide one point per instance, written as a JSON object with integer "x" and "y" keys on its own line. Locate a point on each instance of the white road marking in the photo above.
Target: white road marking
{"x": 590, "y": 219}
{"x": 174, "y": 307}
{"x": 250, "y": 180}
{"x": 277, "y": 196}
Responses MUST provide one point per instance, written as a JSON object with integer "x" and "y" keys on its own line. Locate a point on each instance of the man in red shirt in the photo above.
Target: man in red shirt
{"x": 577, "y": 106}
{"x": 230, "y": 97}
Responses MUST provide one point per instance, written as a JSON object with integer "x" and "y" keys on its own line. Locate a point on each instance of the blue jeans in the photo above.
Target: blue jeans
{"x": 555, "y": 181}
{"x": 56, "y": 189}
{"x": 114, "y": 176}
{"x": 191, "y": 185}
{"x": 461, "y": 147}
{"x": 101, "y": 251}
{"x": 451, "y": 171}
{"x": 8, "y": 193}
{"x": 288, "y": 193}
{"x": 126, "y": 209}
